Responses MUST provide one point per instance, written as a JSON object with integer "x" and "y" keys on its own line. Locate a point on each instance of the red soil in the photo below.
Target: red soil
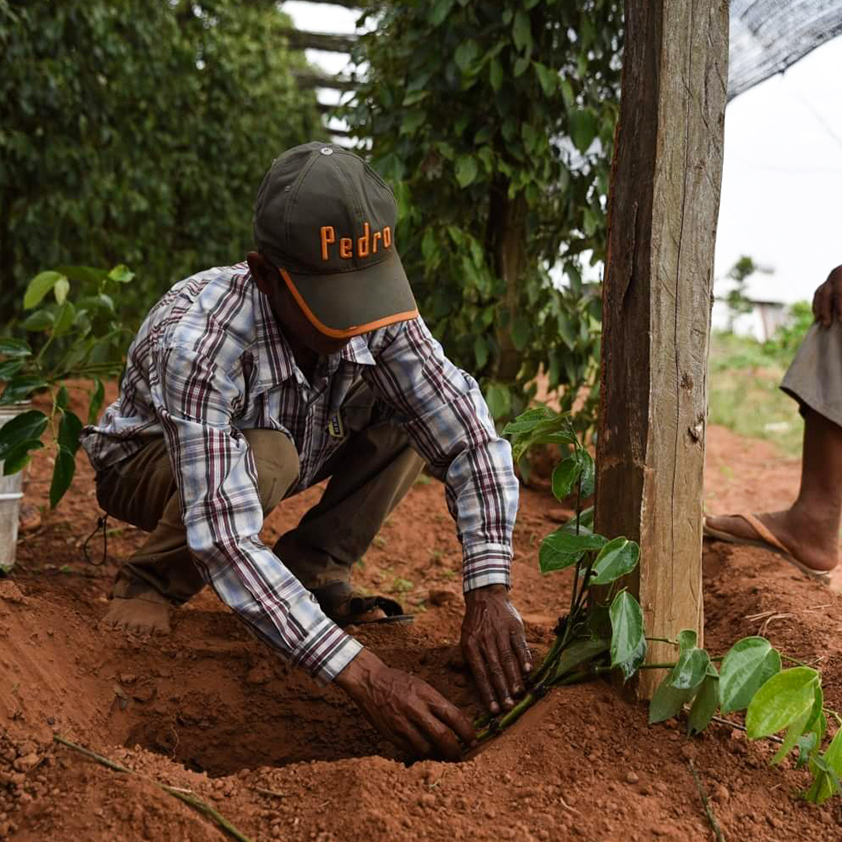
{"x": 210, "y": 710}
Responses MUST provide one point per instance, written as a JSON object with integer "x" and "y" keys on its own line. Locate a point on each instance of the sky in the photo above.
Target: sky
{"x": 781, "y": 198}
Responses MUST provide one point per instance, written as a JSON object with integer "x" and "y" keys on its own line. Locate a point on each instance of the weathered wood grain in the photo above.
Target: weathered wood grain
{"x": 663, "y": 209}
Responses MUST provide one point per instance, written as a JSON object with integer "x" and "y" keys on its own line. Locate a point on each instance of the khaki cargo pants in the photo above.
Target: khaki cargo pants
{"x": 369, "y": 475}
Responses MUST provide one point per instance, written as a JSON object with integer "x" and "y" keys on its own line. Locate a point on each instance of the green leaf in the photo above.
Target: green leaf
{"x": 414, "y": 97}
{"x": 465, "y": 55}
{"x": 588, "y": 471}
{"x": 521, "y": 330}
{"x": 68, "y": 431}
{"x": 565, "y": 475}
{"x": 18, "y": 457}
{"x": 9, "y": 368}
{"x": 562, "y": 549}
{"x": 412, "y": 120}
{"x": 825, "y": 783}
{"x": 65, "y": 315}
{"x": 793, "y": 734}
{"x": 522, "y": 31}
{"x": 83, "y": 274}
{"x": 481, "y": 352}
{"x": 704, "y": 705}
{"x": 616, "y": 559}
{"x": 577, "y": 653}
{"x": 495, "y": 74}
{"x": 16, "y": 348}
{"x": 521, "y": 66}
{"x": 63, "y": 472}
{"x": 667, "y": 701}
{"x": 21, "y": 387}
{"x": 687, "y": 639}
{"x": 586, "y": 519}
{"x": 690, "y": 670}
{"x": 628, "y": 643}
{"x": 466, "y": 170}
{"x": 39, "y": 320}
{"x": 24, "y": 427}
{"x": 499, "y": 400}
{"x": 749, "y": 664}
{"x": 440, "y": 11}
{"x": 806, "y": 745}
{"x": 782, "y": 700}
{"x": 97, "y": 399}
{"x": 39, "y": 286}
{"x": 121, "y": 274}
{"x": 583, "y": 128}
{"x": 547, "y": 78}
{"x": 60, "y": 290}
{"x": 62, "y": 398}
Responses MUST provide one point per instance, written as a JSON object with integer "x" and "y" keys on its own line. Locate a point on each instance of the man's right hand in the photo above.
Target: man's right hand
{"x": 405, "y": 709}
{"x": 827, "y": 302}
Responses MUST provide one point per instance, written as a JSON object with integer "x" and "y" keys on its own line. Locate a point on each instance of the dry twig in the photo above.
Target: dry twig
{"x": 717, "y": 830}
{"x": 177, "y": 792}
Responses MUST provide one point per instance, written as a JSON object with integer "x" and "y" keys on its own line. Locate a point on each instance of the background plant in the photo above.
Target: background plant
{"x": 138, "y": 132}
{"x": 83, "y": 338}
{"x": 494, "y": 123}
{"x": 603, "y": 631}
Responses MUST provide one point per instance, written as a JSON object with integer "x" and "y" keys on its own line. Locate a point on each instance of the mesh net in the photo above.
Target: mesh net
{"x": 767, "y": 36}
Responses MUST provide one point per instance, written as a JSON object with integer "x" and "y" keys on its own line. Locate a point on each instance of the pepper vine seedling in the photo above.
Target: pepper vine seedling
{"x": 85, "y": 340}
{"x": 603, "y": 631}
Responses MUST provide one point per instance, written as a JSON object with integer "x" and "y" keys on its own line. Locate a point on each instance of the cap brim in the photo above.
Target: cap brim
{"x": 347, "y": 304}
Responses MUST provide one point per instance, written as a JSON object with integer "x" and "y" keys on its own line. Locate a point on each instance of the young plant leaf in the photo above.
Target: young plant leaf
{"x": 782, "y": 700}
{"x": 63, "y": 472}
{"x": 686, "y": 639}
{"x": 561, "y": 549}
{"x": 749, "y": 664}
{"x": 615, "y": 559}
{"x": 793, "y": 733}
{"x": 578, "y": 653}
{"x": 588, "y": 472}
{"x": 628, "y": 642}
{"x": 690, "y": 670}
{"x": 121, "y": 274}
{"x": 18, "y": 457}
{"x": 667, "y": 701}
{"x": 69, "y": 430}
{"x": 23, "y": 427}
{"x": 9, "y": 368}
{"x": 806, "y": 745}
{"x": 38, "y": 287}
{"x": 14, "y": 347}
{"x": 586, "y": 518}
{"x": 21, "y": 387}
{"x": 705, "y": 704}
{"x": 565, "y": 475}
{"x": 825, "y": 781}
{"x": 97, "y": 399}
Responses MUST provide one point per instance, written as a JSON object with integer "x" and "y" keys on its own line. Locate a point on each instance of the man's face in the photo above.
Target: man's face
{"x": 290, "y": 316}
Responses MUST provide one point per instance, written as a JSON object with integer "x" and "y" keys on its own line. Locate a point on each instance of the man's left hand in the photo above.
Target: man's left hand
{"x": 494, "y": 645}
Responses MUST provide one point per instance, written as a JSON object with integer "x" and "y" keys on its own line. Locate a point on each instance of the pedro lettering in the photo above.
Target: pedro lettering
{"x": 370, "y": 242}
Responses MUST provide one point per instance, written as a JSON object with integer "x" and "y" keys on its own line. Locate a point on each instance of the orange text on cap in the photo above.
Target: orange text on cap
{"x": 365, "y": 245}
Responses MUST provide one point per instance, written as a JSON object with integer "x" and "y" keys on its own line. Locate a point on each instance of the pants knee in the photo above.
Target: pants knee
{"x": 276, "y": 461}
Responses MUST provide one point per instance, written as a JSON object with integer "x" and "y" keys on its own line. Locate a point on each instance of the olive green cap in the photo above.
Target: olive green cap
{"x": 327, "y": 221}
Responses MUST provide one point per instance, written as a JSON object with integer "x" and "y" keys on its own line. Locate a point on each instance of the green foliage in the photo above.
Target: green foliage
{"x": 83, "y": 337}
{"x": 604, "y": 631}
{"x": 494, "y": 122}
{"x": 138, "y": 131}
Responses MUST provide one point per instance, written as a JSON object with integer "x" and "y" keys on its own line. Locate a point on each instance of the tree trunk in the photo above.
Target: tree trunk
{"x": 662, "y": 219}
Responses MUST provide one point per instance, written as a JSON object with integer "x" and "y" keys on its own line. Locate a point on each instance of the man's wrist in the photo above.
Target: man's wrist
{"x": 486, "y": 591}
{"x": 358, "y": 671}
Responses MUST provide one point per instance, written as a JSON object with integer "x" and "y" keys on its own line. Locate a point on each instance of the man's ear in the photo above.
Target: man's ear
{"x": 263, "y": 272}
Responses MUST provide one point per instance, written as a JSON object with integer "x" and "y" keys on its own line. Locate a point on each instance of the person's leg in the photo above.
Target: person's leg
{"x": 142, "y": 491}
{"x": 810, "y": 527}
{"x": 369, "y": 477}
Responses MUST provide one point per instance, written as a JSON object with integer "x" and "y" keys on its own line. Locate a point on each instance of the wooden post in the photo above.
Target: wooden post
{"x": 662, "y": 217}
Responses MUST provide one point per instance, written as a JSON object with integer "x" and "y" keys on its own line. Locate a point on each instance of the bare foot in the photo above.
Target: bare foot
{"x": 809, "y": 540}
{"x": 142, "y": 616}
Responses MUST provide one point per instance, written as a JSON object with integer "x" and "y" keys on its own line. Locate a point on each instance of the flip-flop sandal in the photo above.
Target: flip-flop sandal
{"x": 346, "y": 607}
{"x": 768, "y": 542}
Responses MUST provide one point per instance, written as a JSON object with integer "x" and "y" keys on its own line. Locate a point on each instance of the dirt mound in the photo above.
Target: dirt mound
{"x": 209, "y": 710}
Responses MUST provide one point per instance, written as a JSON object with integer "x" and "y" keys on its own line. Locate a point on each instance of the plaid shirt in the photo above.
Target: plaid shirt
{"x": 210, "y": 361}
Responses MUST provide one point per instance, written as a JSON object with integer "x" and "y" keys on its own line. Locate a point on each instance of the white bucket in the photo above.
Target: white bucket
{"x": 10, "y": 496}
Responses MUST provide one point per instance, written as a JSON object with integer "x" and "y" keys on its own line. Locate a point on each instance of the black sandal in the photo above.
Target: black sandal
{"x": 346, "y": 607}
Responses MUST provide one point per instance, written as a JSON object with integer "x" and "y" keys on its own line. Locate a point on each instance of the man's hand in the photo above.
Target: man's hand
{"x": 494, "y": 645}
{"x": 827, "y": 302}
{"x": 405, "y": 709}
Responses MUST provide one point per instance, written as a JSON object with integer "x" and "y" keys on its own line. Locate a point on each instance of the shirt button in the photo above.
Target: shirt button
{"x": 326, "y": 150}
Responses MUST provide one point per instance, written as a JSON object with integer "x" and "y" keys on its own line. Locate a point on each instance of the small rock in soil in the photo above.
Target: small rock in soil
{"x": 632, "y": 778}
